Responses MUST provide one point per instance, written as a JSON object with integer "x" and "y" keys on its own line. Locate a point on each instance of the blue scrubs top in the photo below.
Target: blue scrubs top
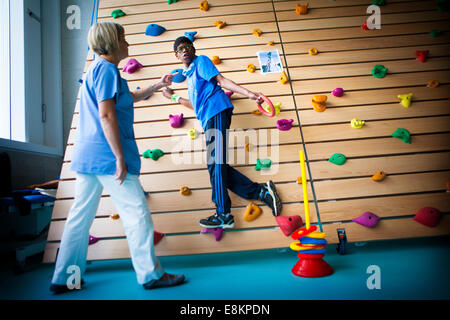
{"x": 205, "y": 94}
{"x": 92, "y": 153}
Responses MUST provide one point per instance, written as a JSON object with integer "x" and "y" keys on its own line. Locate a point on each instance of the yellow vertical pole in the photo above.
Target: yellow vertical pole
{"x": 305, "y": 190}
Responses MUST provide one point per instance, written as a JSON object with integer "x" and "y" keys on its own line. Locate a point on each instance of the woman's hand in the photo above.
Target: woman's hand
{"x": 121, "y": 170}
{"x": 167, "y": 92}
{"x": 167, "y": 79}
{"x": 255, "y": 96}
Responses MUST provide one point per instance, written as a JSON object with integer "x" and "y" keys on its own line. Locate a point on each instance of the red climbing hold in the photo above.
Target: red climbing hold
{"x": 422, "y": 55}
{"x": 428, "y": 216}
{"x": 289, "y": 224}
{"x": 157, "y": 236}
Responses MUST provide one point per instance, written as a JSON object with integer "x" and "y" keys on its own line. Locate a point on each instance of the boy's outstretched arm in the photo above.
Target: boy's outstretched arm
{"x": 231, "y": 85}
{"x": 168, "y": 93}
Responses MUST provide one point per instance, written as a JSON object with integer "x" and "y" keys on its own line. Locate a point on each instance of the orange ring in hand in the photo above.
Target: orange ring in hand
{"x": 263, "y": 111}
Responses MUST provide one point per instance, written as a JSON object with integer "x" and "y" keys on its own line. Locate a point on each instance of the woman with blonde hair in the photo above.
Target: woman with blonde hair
{"x": 106, "y": 156}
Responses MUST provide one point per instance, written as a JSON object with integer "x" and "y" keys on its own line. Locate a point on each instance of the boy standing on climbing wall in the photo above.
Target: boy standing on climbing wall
{"x": 214, "y": 110}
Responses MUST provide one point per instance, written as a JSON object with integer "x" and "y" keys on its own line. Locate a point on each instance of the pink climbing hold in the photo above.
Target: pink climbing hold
{"x": 338, "y": 92}
{"x": 176, "y": 121}
{"x": 157, "y": 236}
{"x": 217, "y": 232}
{"x": 132, "y": 66}
{"x": 284, "y": 124}
{"x": 367, "y": 219}
{"x": 289, "y": 224}
{"x": 92, "y": 239}
{"x": 428, "y": 216}
{"x": 422, "y": 55}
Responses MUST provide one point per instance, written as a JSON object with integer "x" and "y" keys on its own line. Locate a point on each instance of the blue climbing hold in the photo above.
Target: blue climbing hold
{"x": 191, "y": 35}
{"x": 179, "y": 77}
{"x": 154, "y": 30}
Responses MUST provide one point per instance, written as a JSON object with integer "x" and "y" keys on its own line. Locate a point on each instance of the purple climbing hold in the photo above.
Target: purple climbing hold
{"x": 92, "y": 239}
{"x": 367, "y": 219}
{"x": 338, "y": 92}
{"x": 229, "y": 94}
{"x": 132, "y": 66}
{"x": 176, "y": 121}
{"x": 284, "y": 124}
{"x": 217, "y": 232}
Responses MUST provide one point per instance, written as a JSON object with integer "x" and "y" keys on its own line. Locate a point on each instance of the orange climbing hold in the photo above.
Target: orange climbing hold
{"x": 251, "y": 68}
{"x": 299, "y": 180}
{"x": 247, "y": 145}
{"x": 312, "y": 51}
{"x": 185, "y": 191}
{"x": 284, "y": 78}
{"x": 256, "y": 112}
{"x": 319, "y": 103}
{"x": 216, "y": 60}
{"x": 270, "y": 43}
{"x": 220, "y": 24}
{"x": 379, "y": 176}
{"x": 257, "y": 32}
{"x": 433, "y": 84}
{"x": 302, "y": 8}
{"x": 447, "y": 185}
{"x": 252, "y": 212}
{"x": 204, "y": 5}
{"x": 115, "y": 216}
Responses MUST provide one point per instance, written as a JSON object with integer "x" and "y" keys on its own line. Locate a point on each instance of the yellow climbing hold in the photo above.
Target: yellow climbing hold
{"x": 405, "y": 99}
{"x": 284, "y": 78}
{"x": 251, "y": 68}
{"x": 276, "y": 106}
{"x": 357, "y": 124}
{"x": 204, "y": 5}
{"x": 257, "y": 32}
{"x": 185, "y": 191}
{"x": 270, "y": 43}
{"x": 252, "y": 212}
{"x": 193, "y": 134}
{"x": 220, "y": 24}
{"x": 312, "y": 51}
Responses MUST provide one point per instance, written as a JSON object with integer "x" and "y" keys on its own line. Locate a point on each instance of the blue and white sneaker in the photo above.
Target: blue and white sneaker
{"x": 270, "y": 197}
{"x": 218, "y": 221}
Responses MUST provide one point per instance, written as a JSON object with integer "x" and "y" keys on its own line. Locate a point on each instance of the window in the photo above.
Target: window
{"x": 30, "y": 76}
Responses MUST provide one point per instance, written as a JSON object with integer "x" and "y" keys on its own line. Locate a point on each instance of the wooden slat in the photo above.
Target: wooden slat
{"x": 258, "y": 239}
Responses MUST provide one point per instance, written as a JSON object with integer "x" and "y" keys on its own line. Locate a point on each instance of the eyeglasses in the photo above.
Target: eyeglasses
{"x": 187, "y": 47}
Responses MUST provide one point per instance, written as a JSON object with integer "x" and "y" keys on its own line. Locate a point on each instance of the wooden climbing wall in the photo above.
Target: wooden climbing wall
{"x": 417, "y": 172}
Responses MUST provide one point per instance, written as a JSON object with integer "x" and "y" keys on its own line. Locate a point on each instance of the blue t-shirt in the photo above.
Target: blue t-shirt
{"x": 92, "y": 153}
{"x": 205, "y": 94}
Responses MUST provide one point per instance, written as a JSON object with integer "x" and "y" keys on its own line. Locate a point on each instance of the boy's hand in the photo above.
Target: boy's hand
{"x": 166, "y": 80}
{"x": 255, "y": 96}
{"x": 167, "y": 92}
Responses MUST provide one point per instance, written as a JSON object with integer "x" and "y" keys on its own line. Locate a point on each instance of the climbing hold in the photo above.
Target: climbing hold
{"x": 251, "y": 68}
{"x": 289, "y": 224}
{"x": 378, "y": 2}
{"x": 276, "y": 106}
{"x": 216, "y": 60}
{"x": 379, "y": 176}
{"x": 229, "y": 94}
{"x": 153, "y": 154}
{"x": 422, "y": 55}
{"x": 154, "y": 30}
{"x": 301, "y": 8}
{"x": 171, "y": 1}
{"x": 132, "y": 66}
{"x": 263, "y": 164}
{"x": 252, "y": 212}
{"x": 179, "y": 77}
{"x": 284, "y": 78}
{"x": 405, "y": 99}
{"x": 256, "y": 112}
{"x": 284, "y": 124}
{"x": 365, "y": 26}
{"x": 204, "y": 5}
{"x": 185, "y": 191}
{"x": 433, "y": 84}
{"x": 312, "y": 51}
{"x": 447, "y": 185}
{"x": 191, "y": 35}
{"x": 115, "y": 216}
{"x": 304, "y": 232}
{"x": 217, "y": 232}
{"x": 270, "y": 43}
{"x": 118, "y": 13}
{"x": 403, "y": 135}
{"x": 338, "y": 159}
{"x": 257, "y": 32}
{"x": 92, "y": 239}
{"x": 436, "y": 33}
{"x": 367, "y": 219}
{"x": 220, "y": 24}
{"x": 338, "y": 92}
{"x": 193, "y": 134}
{"x": 247, "y": 147}
{"x": 176, "y": 121}
{"x": 319, "y": 103}
{"x": 299, "y": 180}
{"x": 80, "y": 80}
{"x": 379, "y": 71}
{"x": 428, "y": 216}
{"x": 357, "y": 124}
{"x": 157, "y": 236}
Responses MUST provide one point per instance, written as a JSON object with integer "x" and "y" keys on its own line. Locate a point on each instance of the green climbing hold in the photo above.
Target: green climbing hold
{"x": 171, "y": 1}
{"x": 153, "y": 154}
{"x": 403, "y": 135}
{"x": 436, "y": 33}
{"x": 378, "y": 2}
{"x": 263, "y": 164}
{"x": 379, "y": 71}
{"x": 118, "y": 13}
{"x": 338, "y": 158}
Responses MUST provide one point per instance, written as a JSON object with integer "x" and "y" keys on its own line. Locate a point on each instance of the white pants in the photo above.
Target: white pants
{"x": 131, "y": 204}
